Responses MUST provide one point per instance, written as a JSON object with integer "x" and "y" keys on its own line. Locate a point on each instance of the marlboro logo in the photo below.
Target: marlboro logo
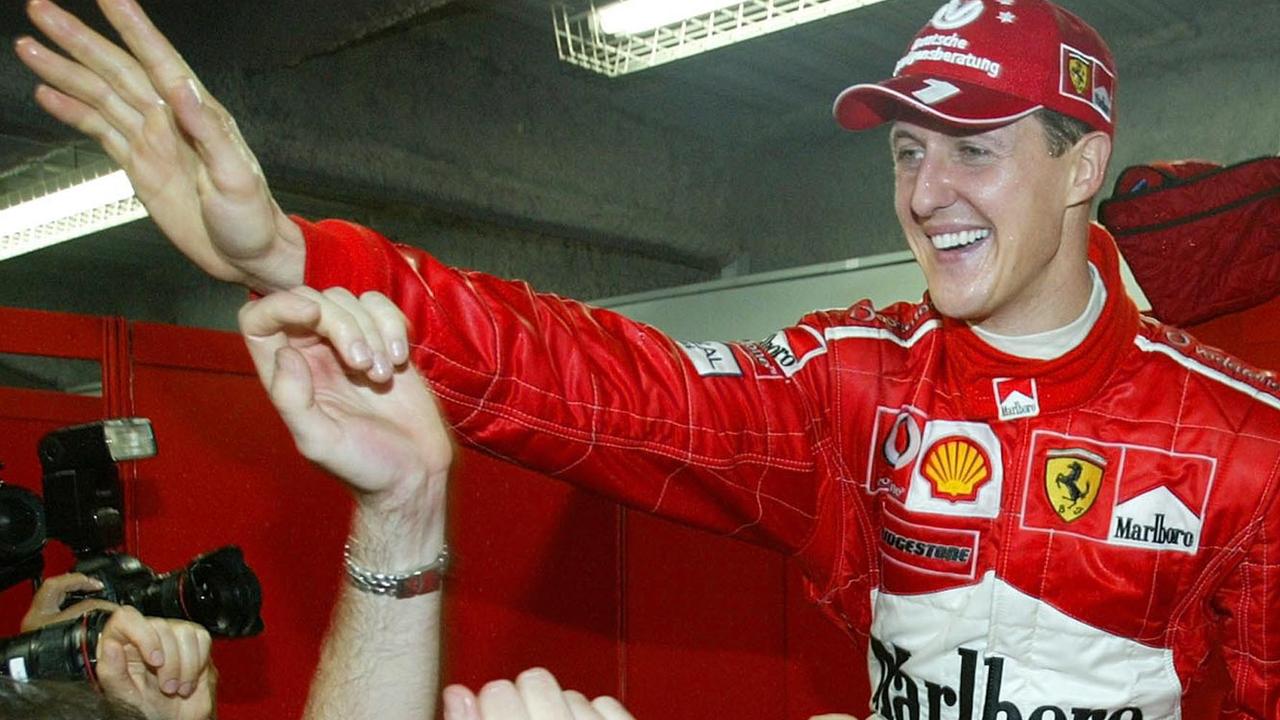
{"x": 1016, "y": 398}
{"x": 899, "y": 696}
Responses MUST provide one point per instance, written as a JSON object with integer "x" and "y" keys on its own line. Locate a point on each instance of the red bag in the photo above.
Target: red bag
{"x": 1202, "y": 240}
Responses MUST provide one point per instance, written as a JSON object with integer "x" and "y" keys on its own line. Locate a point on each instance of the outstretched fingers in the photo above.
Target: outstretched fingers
{"x": 79, "y": 82}
{"x": 114, "y": 66}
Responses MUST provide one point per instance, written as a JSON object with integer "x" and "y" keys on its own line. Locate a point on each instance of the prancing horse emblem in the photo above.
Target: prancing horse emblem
{"x": 1071, "y": 480}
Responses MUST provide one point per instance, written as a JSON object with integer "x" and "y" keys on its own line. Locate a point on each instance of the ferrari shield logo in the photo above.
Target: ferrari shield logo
{"x": 1078, "y": 69}
{"x": 1072, "y": 478}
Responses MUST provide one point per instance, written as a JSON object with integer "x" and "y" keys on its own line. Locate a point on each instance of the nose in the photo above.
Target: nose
{"x": 933, "y": 187}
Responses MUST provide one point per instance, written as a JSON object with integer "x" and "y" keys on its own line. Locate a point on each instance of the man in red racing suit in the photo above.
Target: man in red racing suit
{"x": 1047, "y": 539}
{"x": 1033, "y": 503}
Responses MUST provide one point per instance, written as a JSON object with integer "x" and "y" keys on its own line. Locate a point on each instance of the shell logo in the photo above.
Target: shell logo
{"x": 957, "y": 466}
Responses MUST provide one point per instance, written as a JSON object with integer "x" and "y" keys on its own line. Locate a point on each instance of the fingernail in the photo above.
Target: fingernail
{"x": 454, "y": 706}
{"x": 194, "y": 89}
{"x": 399, "y": 351}
{"x": 360, "y": 352}
{"x": 381, "y": 366}
{"x": 186, "y": 689}
{"x": 157, "y": 658}
{"x": 170, "y": 687}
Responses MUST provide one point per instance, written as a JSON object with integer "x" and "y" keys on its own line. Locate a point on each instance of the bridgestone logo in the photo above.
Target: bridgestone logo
{"x": 1157, "y": 533}
{"x": 948, "y": 553}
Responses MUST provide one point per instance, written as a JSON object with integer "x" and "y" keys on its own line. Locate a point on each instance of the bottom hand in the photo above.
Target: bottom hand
{"x": 535, "y": 695}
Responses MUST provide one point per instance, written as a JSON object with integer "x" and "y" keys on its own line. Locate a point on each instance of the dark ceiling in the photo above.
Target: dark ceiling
{"x": 776, "y": 90}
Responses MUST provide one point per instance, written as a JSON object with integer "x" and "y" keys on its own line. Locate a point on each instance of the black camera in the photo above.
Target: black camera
{"x": 83, "y": 508}
{"x": 62, "y": 651}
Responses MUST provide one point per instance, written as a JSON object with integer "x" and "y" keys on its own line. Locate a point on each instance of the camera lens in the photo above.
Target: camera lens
{"x": 223, "y": 594}
{"x": 64, "y": 651}
{"x": 22, "y": 530}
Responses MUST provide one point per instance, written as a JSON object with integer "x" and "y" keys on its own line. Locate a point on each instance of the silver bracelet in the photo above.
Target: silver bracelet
{"x": 421, "y": 581}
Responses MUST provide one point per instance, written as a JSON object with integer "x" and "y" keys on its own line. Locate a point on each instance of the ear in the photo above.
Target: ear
{"x": 1089, "y": 160}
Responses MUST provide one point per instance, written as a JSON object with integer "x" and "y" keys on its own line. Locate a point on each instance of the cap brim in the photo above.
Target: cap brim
{"x": 862, "y": 107}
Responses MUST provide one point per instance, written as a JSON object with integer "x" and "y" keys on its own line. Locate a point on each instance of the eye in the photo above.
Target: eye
{"x": 908, "y": 155}
{"x": 970, "y": 151}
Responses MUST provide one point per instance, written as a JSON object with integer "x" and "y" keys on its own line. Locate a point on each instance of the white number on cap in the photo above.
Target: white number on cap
{"x": 935, "y": 91}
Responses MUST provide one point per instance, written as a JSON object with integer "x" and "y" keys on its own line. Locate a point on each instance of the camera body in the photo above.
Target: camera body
{"x": 83, "y": 508}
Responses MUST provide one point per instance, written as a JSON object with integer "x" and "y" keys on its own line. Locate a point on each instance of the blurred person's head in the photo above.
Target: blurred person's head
{"x": 50, "y": 700}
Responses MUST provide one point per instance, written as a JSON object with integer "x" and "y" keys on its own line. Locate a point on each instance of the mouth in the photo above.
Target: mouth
{"x": 959, "y": 239}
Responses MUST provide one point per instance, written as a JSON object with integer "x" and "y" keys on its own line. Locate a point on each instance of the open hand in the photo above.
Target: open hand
{"x": 184, "y": 155}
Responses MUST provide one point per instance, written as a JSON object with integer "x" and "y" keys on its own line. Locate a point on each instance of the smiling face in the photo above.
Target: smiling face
{"x": 997, "y": 224}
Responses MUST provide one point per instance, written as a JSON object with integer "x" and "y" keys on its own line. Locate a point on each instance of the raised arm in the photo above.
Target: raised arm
{"x": 181, "y": 148}
{"x": 334, "y": 366}
{"x": 721, "y": 436}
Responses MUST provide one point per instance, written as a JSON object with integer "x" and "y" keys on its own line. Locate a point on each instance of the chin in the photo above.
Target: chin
{"x": 966, "y": 309}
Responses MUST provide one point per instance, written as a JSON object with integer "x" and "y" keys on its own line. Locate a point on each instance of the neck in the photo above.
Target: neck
{"x": 1057, "y": 342}
{"x": 1061, "y": 292}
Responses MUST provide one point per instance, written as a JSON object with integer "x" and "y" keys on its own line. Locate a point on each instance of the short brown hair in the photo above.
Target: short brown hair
{"x": 1061, "y": 133}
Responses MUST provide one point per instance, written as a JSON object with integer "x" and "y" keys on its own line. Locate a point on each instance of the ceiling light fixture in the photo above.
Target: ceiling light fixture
{"x": 86, "y": 206}
{"x": 631, "y": 35}
{"x": 629, "y": 17}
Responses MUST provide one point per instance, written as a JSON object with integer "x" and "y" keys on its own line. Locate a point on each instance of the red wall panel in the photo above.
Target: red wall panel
{"x": 26, "y": 415}
{"x": 535, "y": 579}
{"x": 227, "y": 473}
{"x": 703, "y": 627}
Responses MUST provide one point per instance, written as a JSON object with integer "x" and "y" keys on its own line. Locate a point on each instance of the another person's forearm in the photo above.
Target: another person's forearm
{"x": 381, "y": 656}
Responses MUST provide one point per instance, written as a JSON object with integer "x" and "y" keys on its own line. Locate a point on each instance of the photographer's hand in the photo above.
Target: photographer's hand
{"x": 336, "y": 369}
{"x": 159, "y": 666}
{"x": 187, "y": 160}
{"x": 46, "y": 604}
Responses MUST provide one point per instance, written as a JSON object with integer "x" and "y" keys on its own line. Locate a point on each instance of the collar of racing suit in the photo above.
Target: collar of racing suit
{"x": 971, "y": 365}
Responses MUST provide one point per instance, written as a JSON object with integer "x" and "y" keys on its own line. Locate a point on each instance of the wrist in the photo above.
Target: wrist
{"x": 282, "y": 266}
{"x": 401, "y": 529}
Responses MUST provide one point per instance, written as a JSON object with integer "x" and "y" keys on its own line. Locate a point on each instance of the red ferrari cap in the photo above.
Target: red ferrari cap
{"x": 986, "y": 63}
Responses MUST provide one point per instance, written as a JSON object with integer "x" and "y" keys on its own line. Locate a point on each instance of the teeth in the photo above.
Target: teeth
{"x": 948, "y": 241}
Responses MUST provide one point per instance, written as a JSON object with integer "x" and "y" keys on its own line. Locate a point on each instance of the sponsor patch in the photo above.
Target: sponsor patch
{"x": 1146, "y": 497}
{"x": 980, "y": 679}
{"x": 793, "y": 347}
{"x": 1016, "y": 398}
{"x": 956, "y": 14}
{"x": 1072, "y": 478}
{"x": 896, "y": 441}
{"x": 712, "y": 359}
{"x": 956, "y": 468}
{"x": 960, "y": 472}
{"x": 1087, "y": 79}
{"x": 933, "y": 551}
{"x": 764, "y": 365}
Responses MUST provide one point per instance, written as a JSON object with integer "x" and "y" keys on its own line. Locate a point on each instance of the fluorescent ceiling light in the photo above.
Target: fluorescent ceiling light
{"x": 70, "y": 212}
{"x": 632, "y": 35}
{"x": 629, "y": 17}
